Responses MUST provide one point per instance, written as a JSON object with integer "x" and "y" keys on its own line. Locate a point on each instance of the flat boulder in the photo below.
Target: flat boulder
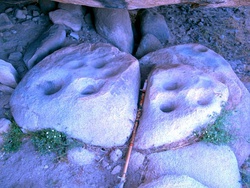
{"x": 88, "y": 91}
{"x": 138, "y": 4}
{"x": 208, "y": 80}
{"x": 211, "y": 165}
{"x": 179, "y": 100}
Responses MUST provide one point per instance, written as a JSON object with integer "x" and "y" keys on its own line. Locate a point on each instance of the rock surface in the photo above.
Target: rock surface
{"x": 137, "y": 4}
{"x": 80, "y": 89}
{"x": 178, "y": 101}
{"x": 66, "y": 18}
{"x": 148, "y": 43}
{"x": 8, "y": 74}
{"x": 173, "y": 182}
{"x": 213, "y": 64}
{"x": 48, "y": 42}
{"x": 4, "y": 128}
{"x": 213, "y": 166}
{"x": 5, "y": 22}
{"x": 115, "y": 26}
{"x": 154, "y": 23}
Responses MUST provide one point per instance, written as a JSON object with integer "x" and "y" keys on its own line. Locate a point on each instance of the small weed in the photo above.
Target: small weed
{"x": 45, "y": 141}
{"x": 216, "y": 133}
{"x": 50, "y": 140}
{"x": 13, "y": 138}
{"x": 245, "y": 174}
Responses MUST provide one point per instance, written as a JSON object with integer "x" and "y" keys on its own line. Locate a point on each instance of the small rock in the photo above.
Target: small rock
{"x": 115, "y": 155}
{"x": 28, "y": 17}
{"x": 136, "y": 161}
{"x": 105, "y": 164}
{"x": 155, "y": 24}
{"x": 115, "y": 26}
{"x": 116, "y": 170}
{"x": 64, "y": 17}
{"x": 35, "y": 19}
{"x": 5, "y": 22}
{"x": 48, "y": 42}
{"x": 74, "y": 35}
{"x": 35, "y": 13}
{"x": 47, "y": 5}
{"x": 4, "y": 125}
{"x": 6, "y": 89}
{"x": 81, "y": 156}
{"x": 45, "y": 167}
{"x": 8, "y": 10}
{"x": 173, "y": 181}
{"x": 15, "y": 56}
{"x": 8, "y": 74}
{"x": 149, "y": 43}
{"x": 20, "y": 14}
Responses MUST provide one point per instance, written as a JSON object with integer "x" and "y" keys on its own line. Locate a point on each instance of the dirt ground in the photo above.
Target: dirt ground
{"x": 224, "y": 30}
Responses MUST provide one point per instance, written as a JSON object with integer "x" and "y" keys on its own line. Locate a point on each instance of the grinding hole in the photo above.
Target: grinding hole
{"x": 168, "y": 107}
{"x": 51, "y": 88}
{"x": 202, "y": 49}
{"x": 110, "y": 73}
{"x": 89, "y": 90}
{"x": 171, "y": 86}
{"x": 206, "y": 100}
{"x": 75, "y": 64}
{"x": 99, "y": 64}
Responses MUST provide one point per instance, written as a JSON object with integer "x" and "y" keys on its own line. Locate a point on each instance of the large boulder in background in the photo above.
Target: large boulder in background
{"x": 137, "y": 4}
{"x": 214, "y": 72}
{"x": 115, "y": 26}
{"x": 88, "y": 91}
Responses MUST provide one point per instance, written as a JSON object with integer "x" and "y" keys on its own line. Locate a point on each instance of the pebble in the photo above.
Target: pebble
{"x": 115, "y": 155}
{"x": 15, "y": 56}
{"x": 105, "y": 164}
{"x": 8, "y": 10}
{"x": 20, "y": 14}
{"x": 74, "y": 35}
{"x": 116, "y": 170}
{"x": 4, "y": 125}
{"x": 35, "y": 13}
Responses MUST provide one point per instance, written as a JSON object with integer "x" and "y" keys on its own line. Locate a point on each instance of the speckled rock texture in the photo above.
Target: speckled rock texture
{"x": 81, "y": 91}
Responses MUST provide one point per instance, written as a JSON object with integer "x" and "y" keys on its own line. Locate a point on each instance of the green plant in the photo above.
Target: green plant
{"x": 216, "y": 132}
{"x": 50, "y": 140}
{"x": 245, "y": 174}
{"x": 13, "y": 138}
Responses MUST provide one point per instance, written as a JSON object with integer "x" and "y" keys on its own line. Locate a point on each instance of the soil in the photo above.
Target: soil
{"x": 224, "y": 30}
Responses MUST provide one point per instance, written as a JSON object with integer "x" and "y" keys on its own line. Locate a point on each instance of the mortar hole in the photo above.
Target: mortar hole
{"x": 89, "y": 90}
{"x": 51, "y": 87}
{"x": 202, "y": 49}
{"x": 205, "y": 100}
{"x": 168, "y": 107}
{"x": 99, "y": 65}
{"x": 171, "y": 86}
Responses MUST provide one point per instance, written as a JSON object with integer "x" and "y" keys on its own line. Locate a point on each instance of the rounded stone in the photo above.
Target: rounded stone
{"x": 81, "y": 91}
